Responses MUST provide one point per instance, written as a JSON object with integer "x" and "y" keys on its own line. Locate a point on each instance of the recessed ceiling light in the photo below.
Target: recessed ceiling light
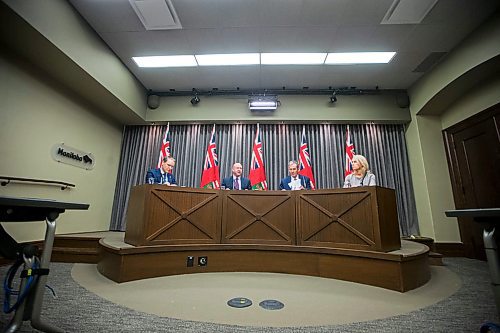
{"x": 292, "y": 58}
{"x": 228, "y": 59}
{"x": 166, "y": 61}
{"x": 350, "y": 58}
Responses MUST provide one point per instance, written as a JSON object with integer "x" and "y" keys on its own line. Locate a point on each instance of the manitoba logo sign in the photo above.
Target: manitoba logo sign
{"x": 68, "y": 155}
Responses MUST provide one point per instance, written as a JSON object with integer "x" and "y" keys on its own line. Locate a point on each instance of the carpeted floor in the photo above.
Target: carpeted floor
{"x": 308, "y": 300}
{"x": 78, "y": 310}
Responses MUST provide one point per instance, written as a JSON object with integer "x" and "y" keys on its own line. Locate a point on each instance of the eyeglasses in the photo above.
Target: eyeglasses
{"x": 170, "y": 165}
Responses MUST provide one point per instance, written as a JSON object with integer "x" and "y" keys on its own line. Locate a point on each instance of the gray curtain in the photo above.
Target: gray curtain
{"x": 383, "y": 145}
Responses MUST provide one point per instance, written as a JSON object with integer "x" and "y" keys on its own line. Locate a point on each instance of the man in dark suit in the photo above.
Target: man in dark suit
{"x": 164, "y": 174}
{"x": 236, "y": 181}
{"x": 295, "y": 181}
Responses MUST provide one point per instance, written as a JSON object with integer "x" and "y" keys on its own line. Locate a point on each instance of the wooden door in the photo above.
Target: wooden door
{"x": 473, "y": 151}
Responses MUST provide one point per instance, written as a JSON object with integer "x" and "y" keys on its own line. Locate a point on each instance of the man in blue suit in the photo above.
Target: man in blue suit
{"x": 236, "y": 181}
{"x": 295, "y": 181}
{"x": 164, "y": 174}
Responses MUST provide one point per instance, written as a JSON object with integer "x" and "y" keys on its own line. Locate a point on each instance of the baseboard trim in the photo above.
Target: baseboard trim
{"x": 450, "y": 249}
{"x": 68, "y": 249}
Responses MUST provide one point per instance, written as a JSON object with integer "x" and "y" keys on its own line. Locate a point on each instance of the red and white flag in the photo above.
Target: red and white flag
{"x": 349, "y": 153}
{"x": 210, "y": 177}
{"x": 305, "y": 166}
{"x": 165, "y": 146}
{"x": 257, "y": 173}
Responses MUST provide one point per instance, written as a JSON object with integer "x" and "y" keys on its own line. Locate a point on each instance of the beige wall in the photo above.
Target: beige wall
{"x": 431, "y": 180}
{"x": 481, "y": 46}
{"x": 37, "y": 113}
{"x": 367, "y": 108}
{"x": 479, "y": 98}
{"x": 59, "y": 23}
{"x": 428, "y": 162}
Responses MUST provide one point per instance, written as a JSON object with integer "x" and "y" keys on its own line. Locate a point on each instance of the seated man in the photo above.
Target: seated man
{"x": 236, "y": 182}
{"x": 295, "y": 181}
{"x": 164, "y": 174}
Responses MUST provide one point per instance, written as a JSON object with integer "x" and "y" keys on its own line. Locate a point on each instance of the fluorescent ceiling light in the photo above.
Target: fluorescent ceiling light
{"x": 166, "y": 61}
{"x": 265, "y": 59}
{"x": 263, "y": 102}
{"x": 228, "y": 59}
{"x": 359, "y": 58}
{"x": 292, "y": 58}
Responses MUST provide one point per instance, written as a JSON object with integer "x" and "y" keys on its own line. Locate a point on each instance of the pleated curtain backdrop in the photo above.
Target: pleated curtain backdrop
{"x": 383, "y": 145}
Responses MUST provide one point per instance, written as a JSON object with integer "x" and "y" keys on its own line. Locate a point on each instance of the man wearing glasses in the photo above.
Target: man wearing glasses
{"x": 164, "y": 174}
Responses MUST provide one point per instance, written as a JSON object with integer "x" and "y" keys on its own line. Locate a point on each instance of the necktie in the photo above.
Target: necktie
{"x": 164, "y": 178}
{"x": 236, "y": 185}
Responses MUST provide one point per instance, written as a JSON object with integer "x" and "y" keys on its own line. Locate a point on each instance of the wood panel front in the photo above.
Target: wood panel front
{"x": 363, "y": 218}
{"x": 161, "y": 215}
{"x": 257, "y": 217}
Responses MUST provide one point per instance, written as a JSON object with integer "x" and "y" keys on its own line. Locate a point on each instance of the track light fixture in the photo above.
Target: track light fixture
{"x": 333, "y": 98}
{"x": 195, "y": 100}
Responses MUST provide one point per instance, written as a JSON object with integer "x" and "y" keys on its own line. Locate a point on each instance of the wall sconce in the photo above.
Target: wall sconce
{"x": 263, "y": 103}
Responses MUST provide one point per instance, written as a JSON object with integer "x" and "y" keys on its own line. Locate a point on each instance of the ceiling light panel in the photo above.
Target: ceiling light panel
{"x": 236, "y": 59}
{"x": 292, "y": 58}
{"x": 166, "y": 61}
{"x": 350, "y": 58}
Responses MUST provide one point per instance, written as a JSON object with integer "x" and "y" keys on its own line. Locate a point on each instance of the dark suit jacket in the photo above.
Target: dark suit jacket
{"x": 305, "y": 181}
{"x": 156, "y": 174}
{"x": 244, "y": 182}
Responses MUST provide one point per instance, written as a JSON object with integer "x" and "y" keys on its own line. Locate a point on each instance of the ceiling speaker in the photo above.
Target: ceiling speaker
{"x": 153, "y": 101}
{"x": 403, "y": 100}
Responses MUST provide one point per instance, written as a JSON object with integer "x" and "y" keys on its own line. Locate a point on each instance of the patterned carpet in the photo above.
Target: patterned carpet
{"x": 77, "y": 310}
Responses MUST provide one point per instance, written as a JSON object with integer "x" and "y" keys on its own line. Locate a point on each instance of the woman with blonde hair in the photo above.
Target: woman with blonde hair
{"x": 361, "y": 175}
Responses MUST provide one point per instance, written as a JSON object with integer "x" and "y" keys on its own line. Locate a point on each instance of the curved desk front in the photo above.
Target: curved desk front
{"x": 350, "y": 234}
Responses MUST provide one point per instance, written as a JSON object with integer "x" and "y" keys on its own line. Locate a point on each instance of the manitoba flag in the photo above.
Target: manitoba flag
{"x": 257, "y": 173}
{"x": 349, "y": 153}
{"x": 210, "y": 177}
{"x": 165, "y": 146}
{"x": 305, "y": 166}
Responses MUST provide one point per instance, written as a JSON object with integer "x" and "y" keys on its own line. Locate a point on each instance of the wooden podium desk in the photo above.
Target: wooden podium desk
{"x": 347, "y": 234}
{"x": 25, "y": 210}
{"x": 362, "y": 218}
